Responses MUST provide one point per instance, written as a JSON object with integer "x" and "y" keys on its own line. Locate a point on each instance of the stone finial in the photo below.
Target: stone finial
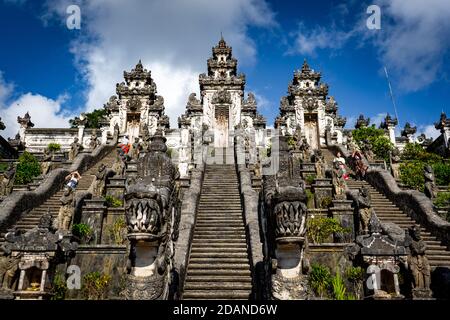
{"x": 408, "y": 130}
{"x": 388, "y": 122}
{"x": 362, "y": 122}
{"x": 25, "y": 121}
{"x": 2, "y": 125}
{"x": 443, "y": 123}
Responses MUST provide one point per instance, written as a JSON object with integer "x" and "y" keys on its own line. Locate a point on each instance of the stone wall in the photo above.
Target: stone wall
{"x": 331, "y": 255}
{"x": 107, "y": 259}
{"x": 19, "y": 202}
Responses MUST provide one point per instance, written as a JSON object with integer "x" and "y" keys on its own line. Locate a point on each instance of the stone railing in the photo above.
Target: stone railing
{"x": 414, "y": 203}
{"x": 19, "y": 202}
{"x": 250, "y": 206}
{"x": 189, "y": 206}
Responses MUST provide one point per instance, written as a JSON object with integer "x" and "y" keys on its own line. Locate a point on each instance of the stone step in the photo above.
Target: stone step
{"x": 222, "y": 269}
{"x": 218, "y": 261}
{"x": 439, "y": 263}
{"x": 231, "y": 278}
{"x": 216, "y": 285}
{"x": 216, "y": 223}
{"x": 442, "y": 252}
{"x": 435, "y": 257}
{"x": 218, "y": 254}
{"x": 219, "y": 246}
{"x": 223, "y": 294}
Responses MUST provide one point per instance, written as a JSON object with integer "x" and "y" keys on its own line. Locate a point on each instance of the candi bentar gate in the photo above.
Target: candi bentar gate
{"x": 221, "y": 207}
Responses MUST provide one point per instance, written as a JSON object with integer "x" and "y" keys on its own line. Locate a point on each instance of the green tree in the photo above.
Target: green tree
{"x": 27, "y": 168}
{"x": 376, "y": 138}
{"x": 93, "y": 119}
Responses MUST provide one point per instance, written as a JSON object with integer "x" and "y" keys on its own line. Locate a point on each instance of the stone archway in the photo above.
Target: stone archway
{"x": 221, "y": 124}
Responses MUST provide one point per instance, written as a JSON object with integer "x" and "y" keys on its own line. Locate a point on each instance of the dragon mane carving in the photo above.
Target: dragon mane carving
{"x": 285, "y": 213}
{"x": 152, "y": 209}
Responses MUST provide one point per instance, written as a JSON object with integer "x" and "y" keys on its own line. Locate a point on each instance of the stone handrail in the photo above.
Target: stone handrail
{"x": 414, "y": 203}
{"x": 250, "y": 202}
{"x": 17, "y": 203}
{"x": 186, "y": 227}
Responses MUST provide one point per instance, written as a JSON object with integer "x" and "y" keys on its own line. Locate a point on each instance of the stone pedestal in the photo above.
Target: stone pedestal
{"x": 131, "y": 170}
{"x": 343, "y": 212}
{"x": 92, "y": 215}
{"x": 116, "y": 187}
{"x": 323, "y": 192}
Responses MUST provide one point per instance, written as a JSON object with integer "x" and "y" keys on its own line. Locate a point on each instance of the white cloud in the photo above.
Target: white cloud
{"x": 44, "y": 112}
{"x": 415, "y": 44}
{"x": 173, "y": 39}
{"x": 412, "y": 43}
{"x": 429, "y": 131}
{"x": 307, "y": 42}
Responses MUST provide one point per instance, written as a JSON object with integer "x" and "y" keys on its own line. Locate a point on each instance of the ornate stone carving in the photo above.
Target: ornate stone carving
{"x": 286, "y": 213}
{"x": 339, "y": 184}
{"x": 319, "y": 164}
{"x": 221, "y": 97}
{"x": 7, "y": 180}
{"x": 46, "y": 162}
{"x": 152, "y": 210}
{"x": 94, "y": 142}
{"x": 66, "y": 211}
{"x": 25, "y": 121}
{"x": 99, "y": 183}
{"x": 431, "y": 190}
{"x": 2, "y": 125}
{"x": 75, "y": 148}
{"x": 408, "y": 130}
{"x": 418, "y": 264}
{"x": 365, "y": 211}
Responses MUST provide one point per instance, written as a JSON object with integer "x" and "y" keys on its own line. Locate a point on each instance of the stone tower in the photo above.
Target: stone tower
{"x": 308, "y": 107}
{"x": 137, "y": 105}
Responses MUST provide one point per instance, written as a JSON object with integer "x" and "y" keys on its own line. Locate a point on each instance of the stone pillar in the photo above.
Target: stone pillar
{"x": 343, "y": 212}
{"x": 116, "y": 187}
{"x": 92, "y": 215}
{"x": 131, "y": 170}
{"x": 323, "y": 192}
{"x": 104, "y": 131}
{"x": 391, "y": 131}
{"x": 80, "y": 134}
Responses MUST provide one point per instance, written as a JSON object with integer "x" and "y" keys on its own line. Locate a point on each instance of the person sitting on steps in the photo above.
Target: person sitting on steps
{"x": 73, "y": 178}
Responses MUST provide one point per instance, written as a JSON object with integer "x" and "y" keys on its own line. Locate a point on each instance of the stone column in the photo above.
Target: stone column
{"x": 92, "y": 215}
{"x": 323, "y": 192}
{"x": 80, "y": 134}
{"x": 104, "y": 131}
{"x": 343, "y": 212}
{"x": 116, "y": 187}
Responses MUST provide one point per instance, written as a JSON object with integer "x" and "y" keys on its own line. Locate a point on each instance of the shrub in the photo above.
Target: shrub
{"x": 339, "y": 290}
{"x": 95, "y": 286}
{"x": 54, "y": 147}
{"x": 320, "y": 280}
{"x": 326, "y": 202}
{"x": 442, "y": 199}
{"x": 310, "y": 179}
{"x": 82, "y": 231}
{"x": 442, "y": 173}
{"x": 118, "y": 231}
{"x": 411, "y": 174}
{"x": 355, "y": 275}
{"x": 27, "y": 168}
{"x": 93, "y": 119}
{"x": 321, "y": 228}
{"x": 381, "y": 145}
{"x": 414, "y": 151}
{"x": 3, "y": 166}
{"x": 113, "y": 202}
{"x": 59, "y": 287}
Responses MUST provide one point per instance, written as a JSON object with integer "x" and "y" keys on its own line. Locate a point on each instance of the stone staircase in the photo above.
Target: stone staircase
{"x": 218, "y": 265}
{"x": 386, "y": 211}
{"x": 30, "y": 220}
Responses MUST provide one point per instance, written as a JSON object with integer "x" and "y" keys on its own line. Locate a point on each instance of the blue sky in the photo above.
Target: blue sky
{"x": 55, "y": 73}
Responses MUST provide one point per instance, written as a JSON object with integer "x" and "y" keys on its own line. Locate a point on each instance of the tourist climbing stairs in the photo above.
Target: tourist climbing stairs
{"x": 386, "y": 211}
{"x": 31, "y": 219}
{"x": 218, "y": 265}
